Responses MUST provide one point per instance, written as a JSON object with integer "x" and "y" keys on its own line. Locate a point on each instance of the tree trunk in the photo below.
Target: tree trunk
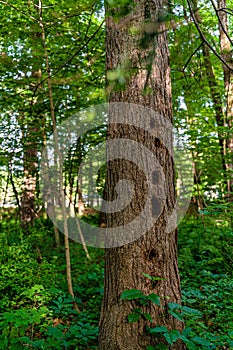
{"x": 226, "y": 51}
{"x": 143, "y": 52}
{"x": 217, "y": 103}
{"x": 30, "y": 163}
{"x": 31, "y": 128}
{"x": 59, "y": 157}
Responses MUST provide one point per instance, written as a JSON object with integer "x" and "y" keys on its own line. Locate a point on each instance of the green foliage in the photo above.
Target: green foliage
{"x": 131, "y": 294}
{"x": 40, "y": 313}
{"x": 154, "y": 298}
{"x": 119, "y": 8}
{"x": 205, "y": 246}
{"x": 206, "y": 311}
{"x": 16, "y": 323}
{"x": 35, "y": 310}
{"x": 75, "y": 50}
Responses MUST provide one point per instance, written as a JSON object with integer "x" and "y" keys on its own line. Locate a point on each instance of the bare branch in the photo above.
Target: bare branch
{"x": 226, "y": 10}
{"x": 69, "y": 59}
{"x": 64, "y": 18}
{"x": 186, "y": 64}
{"x": 20, "y": 11}
{"x": 205, "y": 40}
{"x": 220, "y": 21}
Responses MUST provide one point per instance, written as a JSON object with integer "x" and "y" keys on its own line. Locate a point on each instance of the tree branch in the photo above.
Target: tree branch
{"x": 226, "y": 10}
{"x": 69, "y": 59}
{"x": 64, "y": 18}
{"x": 20, "y": 11}
{"x": 186, "y": 64}
{"x": 220, "y": 21}
{"x": 205, "y": 40}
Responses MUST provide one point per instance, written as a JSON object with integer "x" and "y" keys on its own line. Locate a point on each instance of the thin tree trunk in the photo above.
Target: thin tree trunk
{"x": 29, "y": 183}
{"x": 57, "y": 151}
{"x": 217, "y": 103}
{"x": 10, "y": 172}
{"x": 49, "y": 198}
{"x": 197, "y": 182}
{"x": 226, "y": 51}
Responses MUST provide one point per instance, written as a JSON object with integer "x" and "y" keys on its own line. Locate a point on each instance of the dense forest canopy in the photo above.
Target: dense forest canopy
{"x": 59, "y": 60}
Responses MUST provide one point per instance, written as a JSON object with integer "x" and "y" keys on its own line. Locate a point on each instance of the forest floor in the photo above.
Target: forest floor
{"x": 36, "y": 312}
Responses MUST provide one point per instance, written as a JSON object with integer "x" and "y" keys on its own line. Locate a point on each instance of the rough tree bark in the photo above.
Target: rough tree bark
{"x": 31, "y": 129}
{"x": 143, "y": 52}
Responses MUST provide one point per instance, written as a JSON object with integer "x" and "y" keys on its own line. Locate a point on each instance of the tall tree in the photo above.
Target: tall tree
{"x": 198, "y": 94}
{"x": 32, "y": 124}
{"x": 226, "y": 51}
{"x": 136, "y": 42}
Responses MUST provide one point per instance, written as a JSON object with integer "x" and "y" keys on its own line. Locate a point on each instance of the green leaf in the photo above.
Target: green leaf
{"x": 201, "y": 341}
{"x": 143, "y": 300}
{"x": 39, "y": 344}
{"x": 172, "y": 337}
{"x": 138, "y": 310}
{"x": 131, "y": 294}
{"x": 186, "y": 332}
{"x": 173, "y": 306}
{"x": 154, "y": 298}
{"x": 147, "y": 276}
{"x": 168, "y": 338}
{"x": 55, "y": 332}
{"x": 189, "y": 311}
{"x": 160, "y": 329}
{"x": 25, "y": 340}
{"x": 133, "y": 317}
{"x": 153, "y": 278}
{"x": 175, "y": 335}
{"x": 148, "y": 316}
{"x": 176, "y": 315}
{"x": 184, "y": 338}
{"x": 161, "y": 347}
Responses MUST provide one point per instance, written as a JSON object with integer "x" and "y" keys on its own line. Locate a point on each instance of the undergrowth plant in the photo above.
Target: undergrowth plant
{"x": 36, "y": 312}
{"x": 183, "y": 313}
